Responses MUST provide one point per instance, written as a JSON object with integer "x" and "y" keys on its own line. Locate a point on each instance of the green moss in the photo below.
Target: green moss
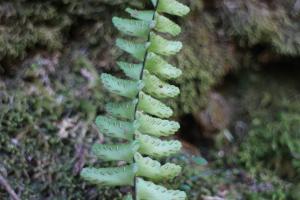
{"x": 27, "y": 25}
{"x": 38, "y": 154}
{"x": 259, "y": 23}
{"x": 273, "y": 141}
{"x": 204, "y": 62}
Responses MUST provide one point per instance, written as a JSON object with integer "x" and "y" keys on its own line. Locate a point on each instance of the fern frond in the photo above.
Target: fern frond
{"x": 145, "y": 15}
{"x": 131, "y": 70}
{"x": 132, "y": 27}
{"x": 153, "y": 106}
{"x": 116, "y": 128}
{"x": 137, "y": 50}
{"x": 153, "y": 170}
{"x": 158, "y": 88}
{"x": 122, "y": 110}
{"x": 122, "y": 87}
{"x": 161, "y": 23}
{"x": 113, "y": 176}
{"x": 158, "y": 66}
{"x": 115, "y": 152}
{"x": 171, "y": 7}
{"x": 163, "y": 46}
{"x": 165, "y": 25}
{"x": 157, "y": 148}
{"x": 141, "y": 118}
{"x": 147, "y": 190}
{"x": 156, "y": 126}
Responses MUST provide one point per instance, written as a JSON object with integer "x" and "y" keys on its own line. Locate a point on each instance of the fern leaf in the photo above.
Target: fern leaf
{"x": 116, "y": 128}
{"x": 156, "y": 126}
{"x": 153, "y": 106}
{"x": 141, "y": 119}
{"x": 131, "y": 70}
{"x": 146, "y": 15}
{"x": 157, "y": 148}
{"x": 125, "y": 88}
{"x": 162, "y": 46}
{"x": 162, "y": 24}
{"x": 165, "y": 25}
{"x": 114, "y": 176}
{"x": 158, "y": 66}
{"x": 171, "y": 7}
{"x": 122, "y": 110}
{"x": 153, "y": 170}
{"x": 115, "y": 152}
{"x": 147, "y": 190}
{"x": 137, "y": 50}
{"x": 158, "y": 88}
{"x": 132, "y": 27}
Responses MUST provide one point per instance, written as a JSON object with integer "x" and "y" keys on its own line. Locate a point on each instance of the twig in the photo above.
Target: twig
{"x": 8, "y": 188}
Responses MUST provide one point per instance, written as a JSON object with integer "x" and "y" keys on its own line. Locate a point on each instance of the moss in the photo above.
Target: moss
{"x": 237, "y": 183}
{"x": 274, "y": 130}
{"x": 263, "y": 23}
{"x": 204, "y": 61}
{"x": 27, "y": 25}
{"x": 39, "y": 159}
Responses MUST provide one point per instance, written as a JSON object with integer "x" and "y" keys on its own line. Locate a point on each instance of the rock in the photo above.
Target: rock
{"x": 216, "y": 116}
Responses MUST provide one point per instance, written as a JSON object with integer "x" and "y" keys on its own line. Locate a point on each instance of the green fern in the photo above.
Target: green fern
{"x": 141, "y": 118}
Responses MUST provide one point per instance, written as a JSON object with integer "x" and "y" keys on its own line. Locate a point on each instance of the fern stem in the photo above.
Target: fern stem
{"x": 141, "y": 78}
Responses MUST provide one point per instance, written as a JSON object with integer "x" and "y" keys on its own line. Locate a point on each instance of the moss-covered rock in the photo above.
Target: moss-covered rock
{"x": 270, "y": 23}
{"x": 29, "y": 25}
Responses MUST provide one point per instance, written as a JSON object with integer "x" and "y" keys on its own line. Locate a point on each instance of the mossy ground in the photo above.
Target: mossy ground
{"x": 52, "y": 52}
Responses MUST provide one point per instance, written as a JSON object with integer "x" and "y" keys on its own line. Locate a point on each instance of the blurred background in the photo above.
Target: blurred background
{"x": 239, "y": 106}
